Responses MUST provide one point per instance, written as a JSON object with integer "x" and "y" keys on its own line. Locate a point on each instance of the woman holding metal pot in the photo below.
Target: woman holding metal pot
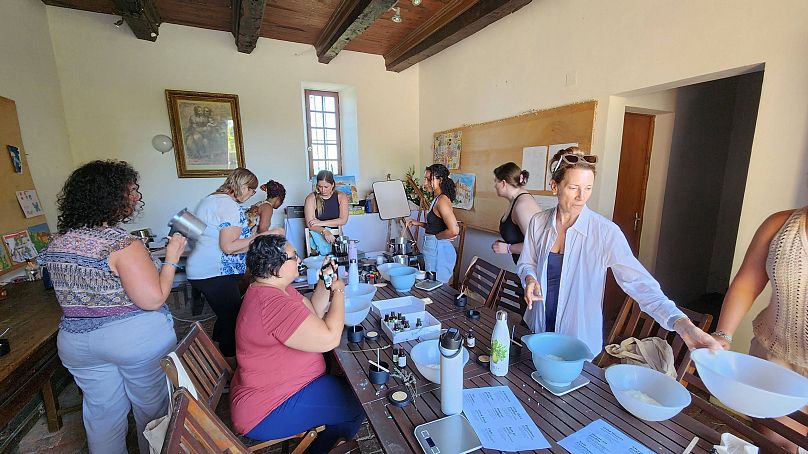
{"x": 217, "y": 261}
{"x": 324, "y": 209}
{"x": 441, "y": 224}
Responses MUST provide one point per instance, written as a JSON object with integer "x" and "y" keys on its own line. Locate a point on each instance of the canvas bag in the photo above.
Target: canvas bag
{"x": 650, "y": 352}
{"x": 155, "y": 430}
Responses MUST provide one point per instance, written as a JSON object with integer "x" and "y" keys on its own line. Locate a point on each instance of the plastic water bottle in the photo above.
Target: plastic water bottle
{"x": 451, "y": 372}
{"x": 500, "y": 345}
{"x": 353, "y": 274}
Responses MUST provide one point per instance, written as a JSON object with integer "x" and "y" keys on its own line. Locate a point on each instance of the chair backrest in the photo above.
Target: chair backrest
{"x": 632, "y": 322}
{"x": 195, "y": 429}
{"x": 204, "y": 363}
{"x": 459, "y": 246}
{"x": 482, "y": 278}
{"x": 509, "y": 294}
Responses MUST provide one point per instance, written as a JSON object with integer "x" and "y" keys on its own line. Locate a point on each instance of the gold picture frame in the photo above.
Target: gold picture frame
{"x": 206, "y": 130}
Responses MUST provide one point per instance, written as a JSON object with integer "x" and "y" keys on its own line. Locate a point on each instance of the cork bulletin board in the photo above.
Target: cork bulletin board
{"x": 488, "y": 145}
{"x": 12, "y": 217}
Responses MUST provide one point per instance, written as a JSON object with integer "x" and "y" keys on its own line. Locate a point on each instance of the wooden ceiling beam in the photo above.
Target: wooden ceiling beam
{"x": 350, "y": 19}
{"x": 458, "y": 20}
{"x": 141, "y": 16}
{"x": 248, "y": 15}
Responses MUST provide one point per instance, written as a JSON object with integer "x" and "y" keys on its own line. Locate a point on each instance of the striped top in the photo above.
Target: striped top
{"x": 782, "y": 327}
{"x": 88, "y": 291}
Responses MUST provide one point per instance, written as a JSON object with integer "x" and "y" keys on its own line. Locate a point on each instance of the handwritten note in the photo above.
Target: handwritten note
{"x": 599, "y": 437}
{"x": 500, "y": 421}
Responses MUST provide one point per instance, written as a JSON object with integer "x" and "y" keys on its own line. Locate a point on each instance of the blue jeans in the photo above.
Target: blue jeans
{"x": 117, "y": 366}
{"x": 439, "y": 257}
{"x": 327, "y": 401}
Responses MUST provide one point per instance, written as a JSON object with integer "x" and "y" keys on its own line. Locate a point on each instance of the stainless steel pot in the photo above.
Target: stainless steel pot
{"x": 400, "y": 246}
{"x": 145, "y": 235}
{"x": 402, "y": 259}
{"x": 187, "y": 225}
{"x": 340, "y": 245}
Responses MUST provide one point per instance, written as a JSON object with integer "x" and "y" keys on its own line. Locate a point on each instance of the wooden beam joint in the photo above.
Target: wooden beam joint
{"x": 248, "y": 15}
{"x": 141, "y": 16}
{"x": 350, "y": 19}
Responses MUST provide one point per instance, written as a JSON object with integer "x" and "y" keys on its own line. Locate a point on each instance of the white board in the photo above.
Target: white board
{"x": 391, "y": 199}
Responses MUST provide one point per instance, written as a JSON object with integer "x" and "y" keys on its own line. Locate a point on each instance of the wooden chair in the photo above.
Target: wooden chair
{"x": 482, "y": 278}
{"x": 307, "y": 240}
{"x": 461, "y": 242}
{"x": 510, "y": 295}
{"x": 632, "y": 322}
{"x": 194, "y": 428}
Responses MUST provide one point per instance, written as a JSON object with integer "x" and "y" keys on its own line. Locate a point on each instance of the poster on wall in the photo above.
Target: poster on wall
{"x": 29, "y": 202}
{"x": 534, "y": 160}
{"x": 16, "y": 159}
{"x": 464, "y": 184}
{"x": 446, "y": 149}
{"x": 5, "y": 261}
{"x": 20, "y": 247}
{"x": 40, "y": 236}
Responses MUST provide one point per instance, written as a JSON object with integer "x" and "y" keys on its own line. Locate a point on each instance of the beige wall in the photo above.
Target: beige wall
{"x": 113, "y": 87}
{"x": 29, "y": 77}
{"x": 630, "y": 47}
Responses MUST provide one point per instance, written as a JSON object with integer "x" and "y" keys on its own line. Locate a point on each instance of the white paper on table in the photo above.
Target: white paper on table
{"x": 534, "y": 160}
{"x": 599, "y": 437}
{"x": 500, "y": 420}
{"x": 553, "y": 149}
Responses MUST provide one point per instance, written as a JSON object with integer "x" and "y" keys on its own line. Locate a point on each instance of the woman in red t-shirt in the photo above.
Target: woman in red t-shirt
{"x": 280, "y": 387}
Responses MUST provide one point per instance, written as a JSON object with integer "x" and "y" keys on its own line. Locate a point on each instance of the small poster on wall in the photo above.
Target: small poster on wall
{"x": 447, "y": 149}
{"x": 20, "y": 246}
{"x": 5, "y": 262}
{"x": 40, "y": 236}
{"x": 16, "y": 159}
{"x": 29, "y": 202}
{"x": 464, "y": 184}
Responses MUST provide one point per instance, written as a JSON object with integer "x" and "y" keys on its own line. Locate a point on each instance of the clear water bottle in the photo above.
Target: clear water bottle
{"x": 353, "y": 274}
{"x": 500, "y": 345}
{"x": 451, "y": 372}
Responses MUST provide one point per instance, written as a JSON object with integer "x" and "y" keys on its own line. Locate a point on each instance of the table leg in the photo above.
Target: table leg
{"x": 51, "y": 401}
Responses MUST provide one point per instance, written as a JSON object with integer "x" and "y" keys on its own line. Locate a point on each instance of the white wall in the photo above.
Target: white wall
{"x": 29, "y": 77}
{"x": 113, "y": 86}
{"x": 630, "y": 47}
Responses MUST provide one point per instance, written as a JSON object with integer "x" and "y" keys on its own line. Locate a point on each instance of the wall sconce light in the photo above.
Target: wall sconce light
{"x": 162, "y": 143}
{"x": 416, "y": 2}
{"x": 396, "y": 14}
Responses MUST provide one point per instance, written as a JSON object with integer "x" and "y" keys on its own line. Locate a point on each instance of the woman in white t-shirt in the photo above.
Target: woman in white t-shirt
{"x": 217, "y": 261}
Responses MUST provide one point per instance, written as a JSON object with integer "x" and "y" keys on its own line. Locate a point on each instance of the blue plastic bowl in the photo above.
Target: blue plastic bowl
{"x": 559, "y": 359}
{"x": 403, "y": 278}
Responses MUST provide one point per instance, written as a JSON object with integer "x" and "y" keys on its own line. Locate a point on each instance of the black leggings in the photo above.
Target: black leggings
{"x": 223, "y": 295}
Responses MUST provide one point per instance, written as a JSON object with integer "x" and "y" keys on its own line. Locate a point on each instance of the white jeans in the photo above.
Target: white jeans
{"x": 118, "y": 366}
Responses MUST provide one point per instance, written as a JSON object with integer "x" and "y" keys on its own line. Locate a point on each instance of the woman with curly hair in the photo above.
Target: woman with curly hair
{"x": 260, "y": 215}
{"x": 116, "y": 326}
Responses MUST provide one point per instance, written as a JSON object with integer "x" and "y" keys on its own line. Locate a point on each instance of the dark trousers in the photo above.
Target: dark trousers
{"x": 223, "y": 295}
{"x": 327, "y": 401}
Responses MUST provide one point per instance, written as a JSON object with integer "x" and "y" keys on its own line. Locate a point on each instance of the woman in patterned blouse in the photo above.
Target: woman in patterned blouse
{"x": 116, "y": 326}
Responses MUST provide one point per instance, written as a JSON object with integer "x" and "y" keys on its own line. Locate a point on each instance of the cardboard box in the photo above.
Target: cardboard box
{"x": 411, "y": 307}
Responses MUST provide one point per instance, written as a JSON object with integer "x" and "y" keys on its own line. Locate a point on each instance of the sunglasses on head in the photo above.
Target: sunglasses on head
{"x": 574, "y": 159}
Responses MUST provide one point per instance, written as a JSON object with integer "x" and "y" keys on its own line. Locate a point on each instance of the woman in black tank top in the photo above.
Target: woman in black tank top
{"x": 325, "y": 208}
{"x": 510, "y": 182}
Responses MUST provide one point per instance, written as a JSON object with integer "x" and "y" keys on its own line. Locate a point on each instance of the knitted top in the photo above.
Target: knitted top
{"x": 88, "y": 291}
{"x": 782, "y": 327}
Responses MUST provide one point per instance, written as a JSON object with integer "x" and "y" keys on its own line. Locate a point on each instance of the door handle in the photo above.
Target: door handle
{"x": 636, "y": 220}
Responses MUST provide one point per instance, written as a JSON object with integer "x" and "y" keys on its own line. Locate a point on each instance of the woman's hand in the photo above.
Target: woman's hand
{"x": 337, "y": 284}
{"x": 725, "y": 344}
{"x": 500, "y": 247}
{"x": 532, "y": 291}
{"x": 695, "y": 337}
{"x": 314, "y": 223}
{"x": 328, "y": 235}
{"x": 413, "y": 223}
{"x": 175, "y": 247}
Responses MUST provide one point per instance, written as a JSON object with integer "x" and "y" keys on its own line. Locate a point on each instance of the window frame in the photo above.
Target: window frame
{"x": 309, "y": 138}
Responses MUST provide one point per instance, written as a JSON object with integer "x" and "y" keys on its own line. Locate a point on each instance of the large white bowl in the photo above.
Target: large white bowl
{"x": 626, "y": 379}
{"x": 750, "y": 385}
{"x": 357, "y": 302}
{"x": 384, "y": 269}
{"x": 426, "y": 356}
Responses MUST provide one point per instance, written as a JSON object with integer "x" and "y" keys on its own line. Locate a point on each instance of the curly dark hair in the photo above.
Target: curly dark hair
{"x": 447, "y": 185}
{"x": 266, "y": 255}
{"x": 98, "y": 193}
{"x": 274, "y": 189}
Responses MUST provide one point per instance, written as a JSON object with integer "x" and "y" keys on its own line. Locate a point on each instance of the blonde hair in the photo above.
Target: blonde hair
{"x": 328, "y": 177}
{"x": 237, "y": 178}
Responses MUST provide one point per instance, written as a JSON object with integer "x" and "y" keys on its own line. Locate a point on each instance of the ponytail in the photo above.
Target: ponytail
{"x": 447, "y": 185}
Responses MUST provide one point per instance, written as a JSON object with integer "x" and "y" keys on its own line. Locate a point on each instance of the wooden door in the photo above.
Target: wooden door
{"x": 629, "y": 203}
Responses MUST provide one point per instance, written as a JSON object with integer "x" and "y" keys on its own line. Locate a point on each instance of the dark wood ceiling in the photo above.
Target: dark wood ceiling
{"x": 361, "y": 26}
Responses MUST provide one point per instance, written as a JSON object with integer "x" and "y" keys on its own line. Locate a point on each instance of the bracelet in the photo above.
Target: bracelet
{"x": 339, "y": 290}
{"x": 722, "y": 334}
{"x": 175, "y": 265}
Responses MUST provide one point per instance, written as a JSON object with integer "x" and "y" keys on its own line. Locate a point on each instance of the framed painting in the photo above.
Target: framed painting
{"x": 206, "y": 129}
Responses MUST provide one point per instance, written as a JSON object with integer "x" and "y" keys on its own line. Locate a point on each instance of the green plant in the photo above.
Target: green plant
{"x": 412, "y": 195}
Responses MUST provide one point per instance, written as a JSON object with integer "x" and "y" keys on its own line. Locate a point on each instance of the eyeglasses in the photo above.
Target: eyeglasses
{"x": 294, "y": 257}
{"x": 574, "y": 159}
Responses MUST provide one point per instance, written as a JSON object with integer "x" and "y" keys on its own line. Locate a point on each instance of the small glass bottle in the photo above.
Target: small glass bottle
{"x": 471, "y": 341}
{"x": 395, "y": 355}
{"x": 402, "y": 359}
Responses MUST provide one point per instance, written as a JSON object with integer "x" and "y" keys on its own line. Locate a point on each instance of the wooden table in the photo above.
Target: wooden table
{"x": 33, "y": 315}
{"x": 556, "y": 417}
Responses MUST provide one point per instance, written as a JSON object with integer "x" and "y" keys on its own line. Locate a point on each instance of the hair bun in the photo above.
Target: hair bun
{"x": 523, "y": 177}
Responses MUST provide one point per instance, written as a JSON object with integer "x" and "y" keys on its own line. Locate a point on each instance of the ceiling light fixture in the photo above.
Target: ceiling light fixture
{"x": 396, "y": 14}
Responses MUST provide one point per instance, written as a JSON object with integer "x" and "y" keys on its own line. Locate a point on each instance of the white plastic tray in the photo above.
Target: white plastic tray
{"x": 411, "y": 307}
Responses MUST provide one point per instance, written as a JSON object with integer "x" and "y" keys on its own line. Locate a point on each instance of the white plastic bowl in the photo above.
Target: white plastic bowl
{"x": 357, "y": 302}
{"x": 315, "y": 261}
{"x": 625, "y": 380}
{"x": 426, "y": 356}
{"x": 750, "y": 385}
{"x": 384, "y": 269}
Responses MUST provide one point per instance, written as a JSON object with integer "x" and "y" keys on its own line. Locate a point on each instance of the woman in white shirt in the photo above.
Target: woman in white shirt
{"x": 566, "y": 252}
{"x": 217, "y": 261}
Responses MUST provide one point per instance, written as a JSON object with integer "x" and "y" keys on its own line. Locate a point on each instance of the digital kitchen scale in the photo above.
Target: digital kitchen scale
{"x": 449, "y": 435}
{"x": 428, "y": 285}
{"x": 579, "y": 382}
